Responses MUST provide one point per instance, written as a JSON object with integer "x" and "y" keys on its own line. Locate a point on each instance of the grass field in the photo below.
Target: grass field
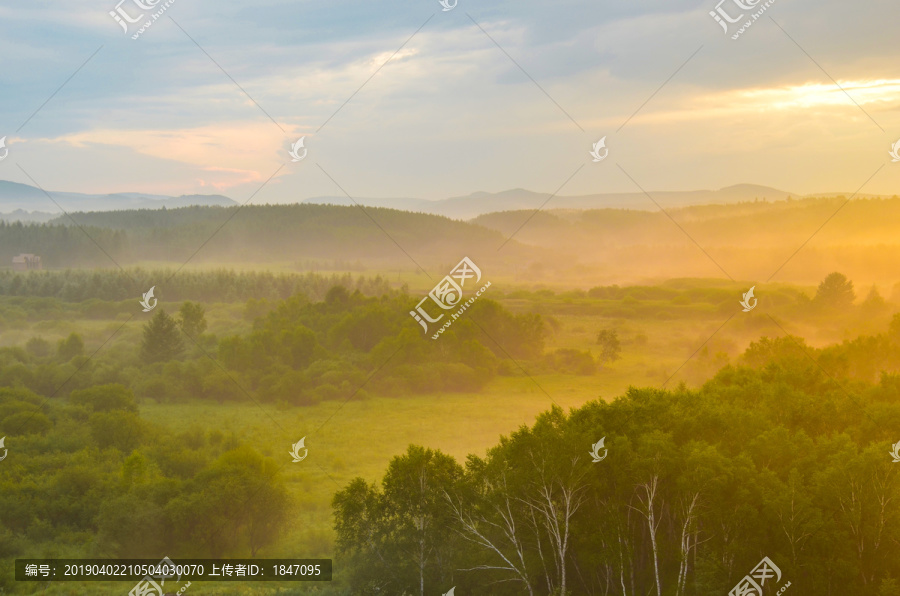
{"x": 359, "y": 437}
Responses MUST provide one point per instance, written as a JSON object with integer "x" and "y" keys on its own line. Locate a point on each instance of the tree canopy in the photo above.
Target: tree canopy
{"x": 772, "y": 457}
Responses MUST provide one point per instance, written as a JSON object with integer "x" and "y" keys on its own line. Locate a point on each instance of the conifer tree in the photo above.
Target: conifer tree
{"x": 162, "y": 339}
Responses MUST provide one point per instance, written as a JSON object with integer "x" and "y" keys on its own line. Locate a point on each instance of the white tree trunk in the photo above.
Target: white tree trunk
{"x": 649, "y": 512}
{"x": 556, "y": 510}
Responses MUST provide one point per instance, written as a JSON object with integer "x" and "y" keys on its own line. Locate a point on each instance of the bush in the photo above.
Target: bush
{"x": 571, "y": 361}
{"x": 105, "y": 398}
{"x": 38, "y": 347}
{"x": 70, "y": 347}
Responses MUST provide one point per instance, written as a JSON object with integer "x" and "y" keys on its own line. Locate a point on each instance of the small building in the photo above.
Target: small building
{"x": 26, "y": 262}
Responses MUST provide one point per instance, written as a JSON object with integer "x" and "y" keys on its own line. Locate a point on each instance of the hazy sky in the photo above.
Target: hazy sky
{"x": 450, "y": 113}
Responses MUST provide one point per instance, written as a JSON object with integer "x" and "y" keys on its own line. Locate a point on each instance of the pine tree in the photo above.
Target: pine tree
{"x": 162, "y": 339}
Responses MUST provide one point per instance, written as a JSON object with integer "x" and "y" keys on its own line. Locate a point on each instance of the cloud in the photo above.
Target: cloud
{"x": 451, "y": 112}
{"x": 232, "y": 153}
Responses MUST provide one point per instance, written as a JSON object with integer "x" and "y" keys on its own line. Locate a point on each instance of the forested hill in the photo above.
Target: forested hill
{"x": 749, "y": 241}
{"x": 258, "y": 234}
{"x": 765, "y": 223}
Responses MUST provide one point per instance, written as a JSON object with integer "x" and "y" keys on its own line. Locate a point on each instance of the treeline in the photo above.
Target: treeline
{"x": 88, "y": 475}
{"x": 785, "y": 456}
{"x": 834, "y": 296}
{"x": 250, "y": 234}
{"x": 61, "y": 245}
{"x": 78, "y": 285}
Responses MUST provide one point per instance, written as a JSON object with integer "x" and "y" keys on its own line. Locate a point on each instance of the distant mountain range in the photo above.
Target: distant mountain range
{"x": 21, "y": 202}
{"x": 481, "y": 203}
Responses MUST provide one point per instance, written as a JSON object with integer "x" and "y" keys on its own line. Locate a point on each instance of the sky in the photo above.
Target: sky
{"x": 404, "y": 99}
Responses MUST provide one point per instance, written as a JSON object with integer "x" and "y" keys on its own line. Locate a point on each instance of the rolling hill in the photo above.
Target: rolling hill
{"x": 481, "y": 203}
{"x": 789, "y": 240}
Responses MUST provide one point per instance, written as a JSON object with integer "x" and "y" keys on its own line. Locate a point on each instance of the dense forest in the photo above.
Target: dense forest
{"x": 91, "y": 478}
{"x": 253, "y": 234}
{"x": 784, "y": 455}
